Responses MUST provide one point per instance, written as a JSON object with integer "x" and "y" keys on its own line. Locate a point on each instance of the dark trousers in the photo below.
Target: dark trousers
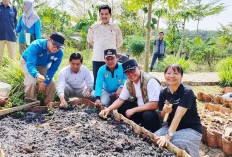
{"x": 155, "y": 56}
{"x": 96, "y": 66}
{"x": 147, "y": 119}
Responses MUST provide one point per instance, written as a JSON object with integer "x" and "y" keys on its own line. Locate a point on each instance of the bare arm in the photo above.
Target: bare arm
{"x": 116, "y": 104}
{"x": 180, "y": 112}
{"x": 145, "y": 107}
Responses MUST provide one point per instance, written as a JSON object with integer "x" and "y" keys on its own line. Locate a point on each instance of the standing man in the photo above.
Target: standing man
{"x": 8, "y": 23}
{"x": 111, "y": 77}
{"x": 39, "y": 64}
{"x": 159, "y": 49}
{"x": 145, "y": 90}
{"x": 103, "y": 35}
{"x": 74, "y": 80}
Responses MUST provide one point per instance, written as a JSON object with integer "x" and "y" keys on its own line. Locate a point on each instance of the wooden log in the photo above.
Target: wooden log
{"x": 18, "y": 108}
{"x": 2, "y": 154}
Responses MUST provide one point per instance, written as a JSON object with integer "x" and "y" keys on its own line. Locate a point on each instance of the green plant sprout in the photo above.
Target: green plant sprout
{"x": 95, "y": 109}
{"x": 104, "y": 116}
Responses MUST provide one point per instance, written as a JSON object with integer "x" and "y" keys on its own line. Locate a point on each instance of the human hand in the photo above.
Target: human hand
{"x": 163, "y": 140}
{"x": 63, "y": 104}
{"x": 130, "y": 112}
{"x": 98, "y": 103}
{"x": 167, "y": 108}
{"x": 86, "y": 94}
{"x": 104, "y": 113}
{"x": 40, "y": 78}
{"x": 118, "y": 92}
{"x": 41, "y": 87}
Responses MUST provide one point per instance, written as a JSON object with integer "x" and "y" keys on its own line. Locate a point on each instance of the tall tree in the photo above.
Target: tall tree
{"x": 159, "y": 13}
{"x": 226, "y": 36}
{"x": 185, "y": 15}
{"x": 201, "y": 10}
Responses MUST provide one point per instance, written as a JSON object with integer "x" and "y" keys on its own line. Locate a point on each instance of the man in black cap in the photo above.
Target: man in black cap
{"x": 143, "y": 92}
{"x": 39, "y": 64}
{"x": 111, "y": 77}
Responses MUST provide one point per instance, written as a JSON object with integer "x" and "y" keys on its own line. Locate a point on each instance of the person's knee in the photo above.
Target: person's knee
{"x": 105, "y": 101}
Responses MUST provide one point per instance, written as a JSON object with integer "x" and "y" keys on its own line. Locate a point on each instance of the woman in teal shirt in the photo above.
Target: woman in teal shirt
{"x": 29, "y": 22}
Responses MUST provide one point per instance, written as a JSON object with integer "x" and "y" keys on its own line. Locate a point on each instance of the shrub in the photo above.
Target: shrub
{"x": 172, "y": 59}
{"x": 12, "y": 74}
{"x": 225, "y": 71}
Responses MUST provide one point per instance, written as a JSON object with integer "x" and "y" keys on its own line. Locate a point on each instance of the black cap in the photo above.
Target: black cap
{"x": 129, "y": 65}
{"x": 58, "y": 39}
{"x": 110, "y": 52}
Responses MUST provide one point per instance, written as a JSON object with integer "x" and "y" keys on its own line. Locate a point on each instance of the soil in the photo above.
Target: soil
{"x": 71, "y": 132}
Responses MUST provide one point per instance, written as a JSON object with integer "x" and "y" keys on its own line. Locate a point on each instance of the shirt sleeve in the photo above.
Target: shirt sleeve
{"x": 119, "y": 40}
{"x": 38, "y": 29}
{"x": 125, "y": 95}
{"x": 153, "y": 90}
{"x": 124, "y": 79}
{"x": 187, "y": 99}
{"x": 90, "y": 36}
{"x": 99, "y": 82}
{"x": 15, "y": 18}
{"x": 54, "y": 67}
{"x": 19, "y": 27}
{"x": 31, "y": 60}
{"x": 88, "y": 79}
{"x": 161, "y": 100}
{"x": 61, "y": 83}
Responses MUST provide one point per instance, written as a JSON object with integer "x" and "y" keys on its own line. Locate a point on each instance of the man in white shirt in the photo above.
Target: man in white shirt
{"x": 74, "y": 80}
{"x": 145, "y": 90}
{"x": 103, "y": 35}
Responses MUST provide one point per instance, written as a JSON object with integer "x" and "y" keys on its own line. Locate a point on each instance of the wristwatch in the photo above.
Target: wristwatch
{"x": 170, "y": 133}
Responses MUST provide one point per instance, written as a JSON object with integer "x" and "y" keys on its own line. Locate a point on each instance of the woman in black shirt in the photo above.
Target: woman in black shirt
{"x": 184, "y": 128}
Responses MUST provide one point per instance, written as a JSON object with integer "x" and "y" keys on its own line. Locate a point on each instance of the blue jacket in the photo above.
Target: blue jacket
{"x": 8, "y": 22}
{"x": 110, "y": 81}
{"x": 37, "y": 55}
{"x": 35, "y": 29}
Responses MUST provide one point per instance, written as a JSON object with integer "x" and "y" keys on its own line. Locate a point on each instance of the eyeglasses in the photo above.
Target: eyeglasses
{"x": 130, "y": 72}
{"x": 55, "y": 45}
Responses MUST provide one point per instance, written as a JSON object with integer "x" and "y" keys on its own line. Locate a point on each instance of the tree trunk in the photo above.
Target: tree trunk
{"x": 147, "y": 46}
{"x": 157, "y": 29}
{"x": 181, "y": 42}
{"x": 143, "y": 23}
{"x": 198, "y": 20}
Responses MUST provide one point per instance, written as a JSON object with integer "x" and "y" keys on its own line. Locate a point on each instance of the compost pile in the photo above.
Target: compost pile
{"x": 75, "y": 131}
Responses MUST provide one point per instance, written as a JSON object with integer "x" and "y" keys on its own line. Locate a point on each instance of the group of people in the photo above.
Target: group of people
{"x": 123, "y": 86}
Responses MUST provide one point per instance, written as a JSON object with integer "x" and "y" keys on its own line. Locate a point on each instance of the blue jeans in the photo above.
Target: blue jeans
{"x": 106, "y": 97}
{"x": 155, "y": 56}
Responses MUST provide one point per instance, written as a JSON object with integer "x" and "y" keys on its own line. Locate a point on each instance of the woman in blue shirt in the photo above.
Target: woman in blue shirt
{"x": 29, "y": 22}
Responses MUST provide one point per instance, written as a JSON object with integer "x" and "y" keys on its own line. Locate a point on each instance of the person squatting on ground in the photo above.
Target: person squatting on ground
{"x": 103, "y": 35}
{"x": 145, "y": 90}
{"x": 8, "y": 23}
{"x": 159, "y": 49}
{"x": 184, "y": 128}
{"x": 74, "y": 80}
{"x": 39, "y": 63}
{"x": 111, "y": 77}
{"x": 29, "y": 23}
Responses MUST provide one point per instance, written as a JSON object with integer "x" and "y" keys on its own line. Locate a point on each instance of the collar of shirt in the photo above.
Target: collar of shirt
{"x": 177, "y": 91}
{"x": 116, "y": 67}
{"x": 106, "y": 24}
{"x": 9, "y": 5}
{"x": 137, "y": 84}
{"x": 74, "y": 72}
{"x": 45, "y": 46}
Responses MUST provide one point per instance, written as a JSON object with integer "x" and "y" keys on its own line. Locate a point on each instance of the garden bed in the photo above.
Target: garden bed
{"x": 72, "y": 132}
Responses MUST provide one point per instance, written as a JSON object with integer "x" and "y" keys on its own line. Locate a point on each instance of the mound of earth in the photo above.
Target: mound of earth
{"x": 71, "y": 132}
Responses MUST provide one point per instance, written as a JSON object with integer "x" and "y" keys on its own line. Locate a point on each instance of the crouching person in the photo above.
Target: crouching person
{"x": 39, "y": 63}
{"x": 74, "y": 80}
{"x": 184, "y": 128}
{"x": 145, "y": 90}
{"x": 111, "y": 77}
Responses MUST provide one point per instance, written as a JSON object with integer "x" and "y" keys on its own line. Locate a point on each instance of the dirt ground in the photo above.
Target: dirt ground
{"x": 72, "y": 132}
